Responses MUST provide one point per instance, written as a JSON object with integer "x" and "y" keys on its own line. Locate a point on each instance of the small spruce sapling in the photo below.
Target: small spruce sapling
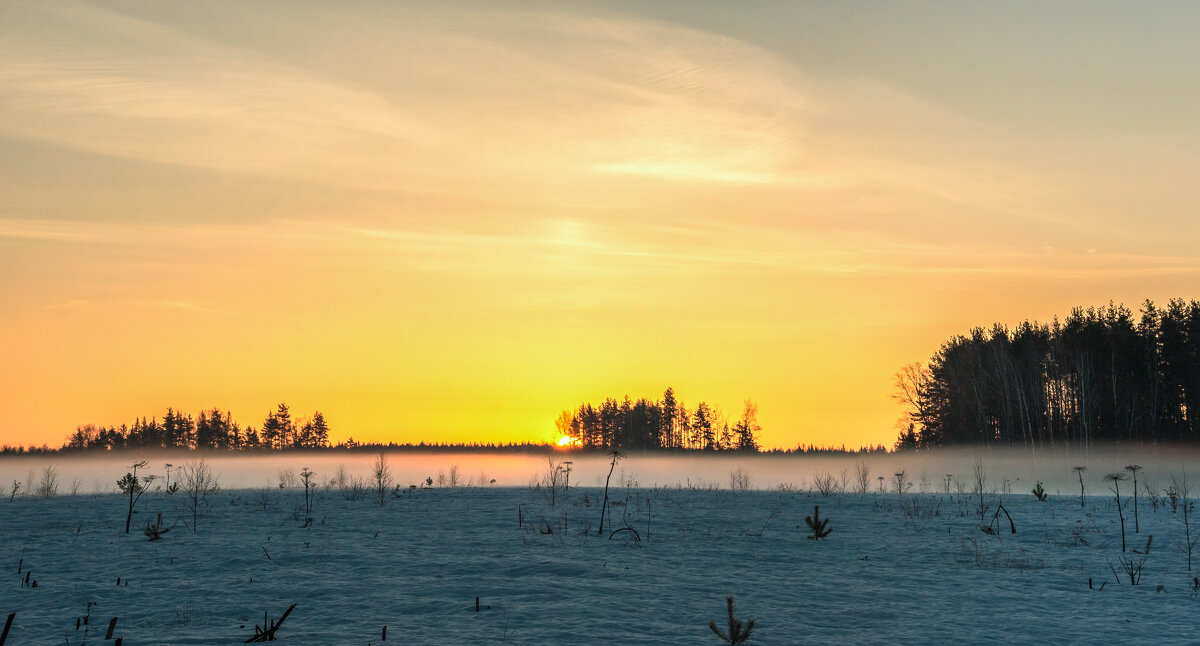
{"x": 1039, "y": 492}
{"x": 817, "y": 524}
{"x": 154, "y": 532}
{"x": 862, "y": 478}
{"x": 739, "y": 630}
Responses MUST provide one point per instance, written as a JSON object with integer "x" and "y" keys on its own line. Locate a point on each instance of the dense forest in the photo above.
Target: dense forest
{"x": 662, "y": 424}
{"x": 211, "y": 429}
{"x": 1100, "y": 375}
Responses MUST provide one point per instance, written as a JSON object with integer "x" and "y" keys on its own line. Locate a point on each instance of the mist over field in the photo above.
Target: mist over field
{"x": 1005, "y": 471}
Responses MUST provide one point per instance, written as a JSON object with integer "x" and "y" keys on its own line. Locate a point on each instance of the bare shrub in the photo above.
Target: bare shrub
{"x": 264, "y": 496}
{"x": 47, "y": 484}
{"x": 1153, "y": 495}
{"x": 826, "y": 484}
{"x": 1186, "y": 544}
{"x": 553, "y": 478}
{"x": 862, "y": 478}
{"x": 739, "y": 479}
{"x": 900, "y": 483}
{"x": 700, "y": 484}
{"x": 287, "y": 477}
{"x": 1132, "y": 564}
{"x": 988, "y": 555}
{"x": 761, "y": 530}
{"x": 381, "y": 479}
{"x": 198, "y": 483}
{"x": 919, "y": 509}
{"x": 454, "y": 478}
{"x": 979, "y": 487}
{"x": 352, "y": 488}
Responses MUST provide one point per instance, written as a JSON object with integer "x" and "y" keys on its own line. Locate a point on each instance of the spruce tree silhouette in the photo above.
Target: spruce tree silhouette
{"x": 817, "y": 524}
{"x": 739, "y": 632}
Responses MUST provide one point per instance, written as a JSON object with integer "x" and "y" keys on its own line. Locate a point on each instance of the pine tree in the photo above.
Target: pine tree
{"x": 702, "y": 427}
{"x": 250, "y": 439}
{"x": 727, "y": 441}
{"x": 748, "y": 427}
{"x": 667, "y": 419}
{"x": 177, "y": 430}
{"x": 320, "y": 430}
{"x": 271, "y": 435}
{"x": 204, "y": 431}
{"x": 287, "y": 427}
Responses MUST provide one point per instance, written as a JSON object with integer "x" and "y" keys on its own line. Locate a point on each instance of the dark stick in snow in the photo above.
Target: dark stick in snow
{"x": 268, "y": 633}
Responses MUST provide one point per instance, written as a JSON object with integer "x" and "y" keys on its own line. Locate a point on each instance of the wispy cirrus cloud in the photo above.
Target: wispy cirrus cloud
{"x": 571, "y": 94}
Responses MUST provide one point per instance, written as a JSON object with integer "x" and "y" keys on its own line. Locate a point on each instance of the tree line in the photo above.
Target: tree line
{"x": 1100, "y": 375}
{"x": 211, "y": 429}
{"x": 663, "y": 424}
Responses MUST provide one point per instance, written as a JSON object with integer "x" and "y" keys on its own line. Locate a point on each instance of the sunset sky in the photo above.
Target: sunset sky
{"x": 448, "y": 221}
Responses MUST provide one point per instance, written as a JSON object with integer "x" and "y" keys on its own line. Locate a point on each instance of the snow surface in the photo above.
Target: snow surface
{"x": 417, "y": 564}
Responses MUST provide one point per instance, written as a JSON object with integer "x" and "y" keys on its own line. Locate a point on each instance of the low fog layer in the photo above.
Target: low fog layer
{"x": 1014, "y": 472}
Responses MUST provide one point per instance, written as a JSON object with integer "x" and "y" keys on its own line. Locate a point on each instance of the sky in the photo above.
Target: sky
{"x": 448, "y": 221}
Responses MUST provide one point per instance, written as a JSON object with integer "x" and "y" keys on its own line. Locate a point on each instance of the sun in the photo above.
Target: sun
{"x": 567, "y": 440}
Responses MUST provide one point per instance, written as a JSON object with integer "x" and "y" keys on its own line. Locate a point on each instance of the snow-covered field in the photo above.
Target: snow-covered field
{"x": 889, "y": 573}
